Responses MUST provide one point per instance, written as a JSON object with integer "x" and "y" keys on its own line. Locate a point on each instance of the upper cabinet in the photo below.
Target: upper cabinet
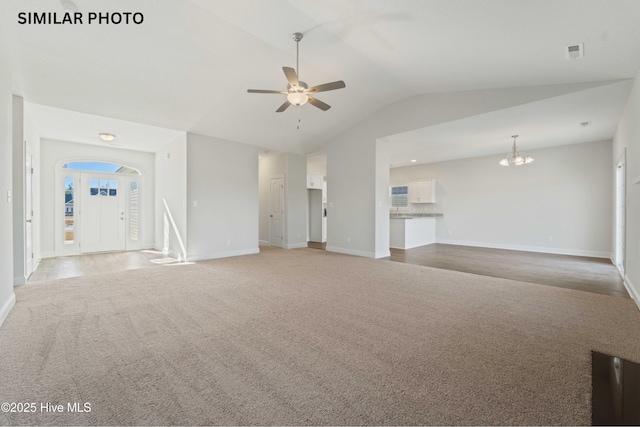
{"x": 422, "y": 191}
{"x": 314, "y": 181}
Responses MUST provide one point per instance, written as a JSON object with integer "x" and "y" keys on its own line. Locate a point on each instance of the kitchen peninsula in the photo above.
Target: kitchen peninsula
{"x": 410, "y": 230}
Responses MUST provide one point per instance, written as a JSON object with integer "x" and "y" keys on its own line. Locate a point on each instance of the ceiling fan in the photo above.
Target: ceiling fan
{"x": 298, "y": 93}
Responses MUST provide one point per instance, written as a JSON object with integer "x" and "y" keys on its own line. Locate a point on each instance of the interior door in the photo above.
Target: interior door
{"x": 102, "y": 213}
{"x": 29, "y": 263}
{"x": 276, "y": 212}
{"x": 621, "y": 208}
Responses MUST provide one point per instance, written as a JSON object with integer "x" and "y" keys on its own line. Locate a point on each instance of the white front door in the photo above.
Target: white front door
{"x": 102, "y": 213}
{"x": 29, "y": 215}
{"x": 276, "y": 212}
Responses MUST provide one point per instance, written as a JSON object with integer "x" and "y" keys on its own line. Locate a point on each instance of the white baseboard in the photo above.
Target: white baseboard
{"x": 6, "y": 308}
{"x": 19, "y": 281}
{"x": 633, "y": 291}
{"x": 383, "y": 254}
{"x": 296, "y": 245}
{"x": 49, "y": 254}
{"x": 350, "y": 252}
{"x": 223, "y": 254}
{"x": 264, "y": 242}
{"x": 546, "y": 250}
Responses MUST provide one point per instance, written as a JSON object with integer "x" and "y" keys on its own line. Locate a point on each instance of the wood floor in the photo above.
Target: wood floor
{"x": 595, "y": 275}
{"x": 83, "y": 265}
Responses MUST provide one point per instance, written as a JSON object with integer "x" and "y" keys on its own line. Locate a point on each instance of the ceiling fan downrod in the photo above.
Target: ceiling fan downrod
{"x": 297, "y": 37}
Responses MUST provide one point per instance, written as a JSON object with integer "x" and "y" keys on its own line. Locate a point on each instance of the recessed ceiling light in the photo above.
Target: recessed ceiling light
{"x": 107, "y": 136}
{"x": 413, "y": 160}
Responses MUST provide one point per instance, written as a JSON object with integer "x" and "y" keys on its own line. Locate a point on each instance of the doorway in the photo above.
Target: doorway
{"x": 621, "y": 211}
{"x": 29, "y": 261}
{"x": 98, "y": 208}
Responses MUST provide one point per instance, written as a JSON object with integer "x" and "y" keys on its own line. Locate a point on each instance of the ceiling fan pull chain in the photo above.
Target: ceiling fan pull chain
{"x": 299, "y": 109}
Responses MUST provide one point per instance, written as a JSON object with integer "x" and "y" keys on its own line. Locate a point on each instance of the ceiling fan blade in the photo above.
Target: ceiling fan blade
{"x": 291, "y": 75}
{"x": 317, "y": 103}
{"x": 327, "y": 86}
{"x": 283, "y": 107}
{"x": 265, "y": 91}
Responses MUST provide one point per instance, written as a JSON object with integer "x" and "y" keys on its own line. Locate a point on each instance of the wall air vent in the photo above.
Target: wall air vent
{"x": 574, "y": 51}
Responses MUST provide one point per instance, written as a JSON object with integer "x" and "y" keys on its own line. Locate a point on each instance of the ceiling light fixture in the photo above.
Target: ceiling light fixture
{"x": 297, "y": 97}
{"x": 107, "y": 136}
{"x": 514, "y": 157}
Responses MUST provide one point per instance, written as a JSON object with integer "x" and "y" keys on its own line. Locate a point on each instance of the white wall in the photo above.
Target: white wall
{"x": 222, "y": 177}
{"x": 52, "y": 152}
{"x": 628, "y": 136}
{"x": 564, "y": 194}
{"x": 18, "y": 159}
{"x": 171, "y": 199}
{"x": 7, "y": 297}
{"x": 352, "y": 162}
{"x": 296, "y": 202}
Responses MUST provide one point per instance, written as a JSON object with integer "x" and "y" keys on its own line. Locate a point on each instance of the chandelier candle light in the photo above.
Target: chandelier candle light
{"x": 514, "y": 157}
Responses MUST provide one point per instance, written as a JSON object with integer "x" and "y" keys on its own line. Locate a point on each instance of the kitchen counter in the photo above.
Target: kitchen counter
{"x": 408, "y": 215}
{"x": 406, "y": 232}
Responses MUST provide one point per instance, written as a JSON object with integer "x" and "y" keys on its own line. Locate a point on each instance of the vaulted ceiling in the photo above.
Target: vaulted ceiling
{"x": 189, "y": 65}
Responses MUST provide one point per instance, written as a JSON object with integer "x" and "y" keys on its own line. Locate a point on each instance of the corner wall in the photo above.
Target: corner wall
{"x": 171, "y": 199}
{"x": 628, "y": 136}
{"x": 222, "y": 198}
{"x": 563, "y": 195}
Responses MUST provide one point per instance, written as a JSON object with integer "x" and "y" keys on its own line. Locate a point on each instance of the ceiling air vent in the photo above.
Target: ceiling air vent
{"x": 574, "y": 51}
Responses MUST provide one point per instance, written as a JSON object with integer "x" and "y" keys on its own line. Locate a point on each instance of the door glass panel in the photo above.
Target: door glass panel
{"x": 104, "y": 187}
{"x": 93, "y": 187}
{"x": 113, "y": 187}
{"x": 133, "y": 211}
{"x": 69, "y": 214}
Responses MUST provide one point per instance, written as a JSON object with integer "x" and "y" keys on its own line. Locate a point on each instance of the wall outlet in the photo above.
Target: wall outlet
{"x": 228, "y": 241}
{"x": 195, "y": 203}
{"x": 550, "y": 238}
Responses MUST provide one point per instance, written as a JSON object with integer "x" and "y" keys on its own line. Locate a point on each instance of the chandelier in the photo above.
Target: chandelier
{"x": 514, "y": 157}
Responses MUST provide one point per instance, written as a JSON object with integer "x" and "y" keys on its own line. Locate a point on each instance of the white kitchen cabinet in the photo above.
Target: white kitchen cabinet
{"x": 422, "y": 191}
{"x": 314, "y": 181}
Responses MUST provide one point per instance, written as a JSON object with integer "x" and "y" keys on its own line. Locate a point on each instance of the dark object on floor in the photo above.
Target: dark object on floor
{"x": 616, "y": 390}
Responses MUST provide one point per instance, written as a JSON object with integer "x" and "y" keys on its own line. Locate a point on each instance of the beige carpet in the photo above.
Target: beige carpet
{"x": 308, "y": 337}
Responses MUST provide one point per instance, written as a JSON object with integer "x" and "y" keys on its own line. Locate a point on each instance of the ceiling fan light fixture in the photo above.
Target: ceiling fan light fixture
{"x": 297, "y": 98}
